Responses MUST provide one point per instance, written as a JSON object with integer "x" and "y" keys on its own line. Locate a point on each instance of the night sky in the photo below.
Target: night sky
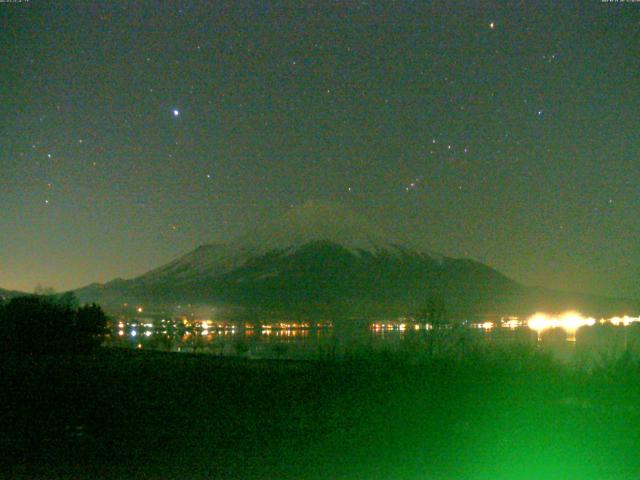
{"x": 132, "y": 132}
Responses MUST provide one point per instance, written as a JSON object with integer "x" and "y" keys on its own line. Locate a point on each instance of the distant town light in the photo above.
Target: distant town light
{"x": 626, "y": 320}
{"x": 570, "y": 322}
{"x": 512, "y": 323}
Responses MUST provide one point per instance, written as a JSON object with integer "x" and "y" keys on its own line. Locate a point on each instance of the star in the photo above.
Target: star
{"x": 176, "y": 112}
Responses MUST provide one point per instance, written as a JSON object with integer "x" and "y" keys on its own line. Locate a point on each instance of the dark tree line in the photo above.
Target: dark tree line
{"x": 434, "y": 312}
{"x": 50, "y": 324}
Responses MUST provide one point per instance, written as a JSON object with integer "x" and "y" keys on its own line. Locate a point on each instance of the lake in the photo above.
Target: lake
{"x": 362, "y": 339}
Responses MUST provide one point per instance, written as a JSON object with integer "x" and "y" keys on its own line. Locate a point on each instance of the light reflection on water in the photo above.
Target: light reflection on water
{"x": 568, "y": 336}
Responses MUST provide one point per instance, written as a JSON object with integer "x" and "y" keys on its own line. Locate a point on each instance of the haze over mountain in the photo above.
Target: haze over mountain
{"x": 322, "y": 260}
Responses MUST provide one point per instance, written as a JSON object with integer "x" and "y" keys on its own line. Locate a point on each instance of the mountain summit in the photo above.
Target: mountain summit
{"x": 311, "y": 222}
{"x": 315, "y": 221}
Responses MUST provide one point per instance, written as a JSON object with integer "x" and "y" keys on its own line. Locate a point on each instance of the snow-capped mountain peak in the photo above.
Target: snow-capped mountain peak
{"x": 304, "y": 224}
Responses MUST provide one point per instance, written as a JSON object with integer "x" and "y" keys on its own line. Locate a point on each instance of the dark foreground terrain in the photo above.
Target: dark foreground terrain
{"x": 138, "y": 415}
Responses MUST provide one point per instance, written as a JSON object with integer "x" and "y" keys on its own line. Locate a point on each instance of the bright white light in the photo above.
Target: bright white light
{"x": 570, "y": 322}
{"x": 540, "y": 322}
{"x": 573, "y": 321}
{"x": 176, "y": 112}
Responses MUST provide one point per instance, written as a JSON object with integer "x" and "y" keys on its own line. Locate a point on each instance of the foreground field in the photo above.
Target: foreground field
{"x": 501, "y": 415}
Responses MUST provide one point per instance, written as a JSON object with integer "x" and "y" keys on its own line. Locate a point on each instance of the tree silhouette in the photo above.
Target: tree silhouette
{"x": 90, "y": 327}
{"x": 434, "y": 313}
{"x": 50, "y": 325}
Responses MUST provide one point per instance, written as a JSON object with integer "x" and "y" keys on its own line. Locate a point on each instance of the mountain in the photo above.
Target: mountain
{"x": 6, "y": 294}
{"x": 322, "y": 260}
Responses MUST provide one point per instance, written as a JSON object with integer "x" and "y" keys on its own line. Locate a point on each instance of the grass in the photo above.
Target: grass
{"x": 499, "y": 414}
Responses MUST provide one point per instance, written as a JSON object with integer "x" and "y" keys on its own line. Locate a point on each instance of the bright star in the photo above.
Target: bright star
{"x": 176, "y": 112}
